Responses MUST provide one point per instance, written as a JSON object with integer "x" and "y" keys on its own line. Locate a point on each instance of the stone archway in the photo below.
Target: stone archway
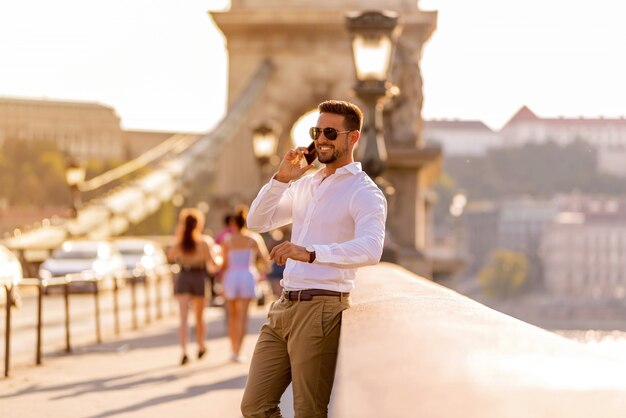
{"x": 308, "y": 44}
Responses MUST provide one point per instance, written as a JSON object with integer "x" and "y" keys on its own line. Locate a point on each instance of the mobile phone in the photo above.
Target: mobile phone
{"x": 312, "y": 155}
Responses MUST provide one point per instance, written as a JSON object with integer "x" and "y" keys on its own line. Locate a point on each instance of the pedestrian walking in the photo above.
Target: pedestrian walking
{"x": 192, "y": 254}
{"x": 242, "y": 253}
{"x": 226, "y": 229}
{"x": 338, "y": 224}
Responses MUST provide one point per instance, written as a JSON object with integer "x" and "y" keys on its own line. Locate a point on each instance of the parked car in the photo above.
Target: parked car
{"x": 10, "y": 274}
{"x": 141, "y": 256}
{"x": 84, "y": 259}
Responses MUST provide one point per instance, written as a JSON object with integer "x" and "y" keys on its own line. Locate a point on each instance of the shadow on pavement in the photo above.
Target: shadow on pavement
{"x": 216, "y": 329}
{"x": 122, "y": 371}
{"x": 238, "y": 382}
{"x": 117, "y": 383}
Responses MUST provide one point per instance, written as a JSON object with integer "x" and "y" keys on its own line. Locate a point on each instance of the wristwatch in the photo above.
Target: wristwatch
{"x": 311, "y": 252}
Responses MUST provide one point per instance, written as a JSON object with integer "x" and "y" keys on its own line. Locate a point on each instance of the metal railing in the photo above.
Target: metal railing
{"x": 149, "y": 279}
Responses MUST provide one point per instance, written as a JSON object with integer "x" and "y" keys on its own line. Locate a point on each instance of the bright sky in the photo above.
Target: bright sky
{"x": 162, "y": 64}
{"x": 559, "y": 57}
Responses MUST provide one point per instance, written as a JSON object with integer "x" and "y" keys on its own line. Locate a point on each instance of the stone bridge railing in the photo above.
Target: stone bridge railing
{"x": 411, "y": 348}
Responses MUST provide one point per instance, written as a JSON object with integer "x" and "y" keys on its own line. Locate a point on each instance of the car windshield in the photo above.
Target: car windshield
{"x": 75, "y": 255}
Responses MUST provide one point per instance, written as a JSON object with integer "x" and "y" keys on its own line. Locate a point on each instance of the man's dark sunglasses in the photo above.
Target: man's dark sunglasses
{"x": 330, "y": 133}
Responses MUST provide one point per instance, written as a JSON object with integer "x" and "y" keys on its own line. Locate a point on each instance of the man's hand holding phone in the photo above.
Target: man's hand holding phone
{"x": 291, "y": 166}
{"x": 311, "y": 154}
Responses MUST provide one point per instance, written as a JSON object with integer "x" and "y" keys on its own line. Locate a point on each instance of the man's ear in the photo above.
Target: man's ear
{"x": 355, "y": 137}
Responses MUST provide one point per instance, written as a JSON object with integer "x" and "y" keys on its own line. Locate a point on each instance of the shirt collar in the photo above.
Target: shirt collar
{"x": 352, "y": 168}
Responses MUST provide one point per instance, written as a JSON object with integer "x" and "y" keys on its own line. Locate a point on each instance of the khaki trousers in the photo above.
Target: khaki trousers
{"x": 298, "y": 343}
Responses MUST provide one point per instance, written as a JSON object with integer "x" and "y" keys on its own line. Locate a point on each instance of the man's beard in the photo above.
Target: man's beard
{"x": 327, "y": 159}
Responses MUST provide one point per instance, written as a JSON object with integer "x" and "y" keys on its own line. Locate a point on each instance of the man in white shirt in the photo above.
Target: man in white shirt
{"x": 338, "y": 216}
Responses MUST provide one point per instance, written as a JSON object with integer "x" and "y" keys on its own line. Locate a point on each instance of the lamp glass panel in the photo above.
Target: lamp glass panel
{"x": 75, "y": 175}
{"x": 264, "y": 144}
{"x": 371, "y": 56}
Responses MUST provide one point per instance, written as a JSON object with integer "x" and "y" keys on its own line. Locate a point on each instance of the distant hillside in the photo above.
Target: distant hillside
{"x": 540, "y": 170}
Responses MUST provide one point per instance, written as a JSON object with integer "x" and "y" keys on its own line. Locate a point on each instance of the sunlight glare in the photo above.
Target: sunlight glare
{"x": 300, "y": 131}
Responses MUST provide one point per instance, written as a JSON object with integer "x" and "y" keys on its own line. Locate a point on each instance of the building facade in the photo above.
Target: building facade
{"x": 526, "y": 127}
{"x": 474, "y": 138}
{"x": 575, "y": 244}
{"x": 83, "y": 130}
{"x": 606, "y": 135}
{"x": 521, "y": 225}
{"x": 479, "y": 226}
{"x": 584, "y": 250}
{"x": 461, "y": 137}
{"x": 515, "y": 225}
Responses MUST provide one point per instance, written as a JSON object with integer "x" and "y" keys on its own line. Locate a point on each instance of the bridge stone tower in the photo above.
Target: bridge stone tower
{"x": 310, "y": 48}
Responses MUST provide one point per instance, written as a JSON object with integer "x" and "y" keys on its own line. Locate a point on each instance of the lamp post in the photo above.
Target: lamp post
{"x": 373, "y": 35}
{"x": 264, "y": 143}
{"x": 74, "y": 176}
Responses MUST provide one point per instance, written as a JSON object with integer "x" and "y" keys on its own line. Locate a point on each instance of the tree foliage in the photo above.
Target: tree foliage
{"x": 505, "y": 274}
{"x": 540, "y": 170}
{"x": 32, "y": 173}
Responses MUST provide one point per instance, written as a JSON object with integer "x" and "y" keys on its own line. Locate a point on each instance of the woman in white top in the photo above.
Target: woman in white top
{"x": 241, "y": 251}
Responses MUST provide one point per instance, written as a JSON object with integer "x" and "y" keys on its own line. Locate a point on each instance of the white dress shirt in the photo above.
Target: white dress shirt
{"x": 341, "y": 217}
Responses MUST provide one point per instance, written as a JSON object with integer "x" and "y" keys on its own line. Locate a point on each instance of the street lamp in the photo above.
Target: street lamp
{"x": 373, "y": 35}
{"x": 74, "y": 176}
{"x": 264, "y": 143}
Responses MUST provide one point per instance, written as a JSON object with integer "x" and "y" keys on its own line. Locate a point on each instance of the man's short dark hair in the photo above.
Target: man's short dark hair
{"x": 351, "y": 113}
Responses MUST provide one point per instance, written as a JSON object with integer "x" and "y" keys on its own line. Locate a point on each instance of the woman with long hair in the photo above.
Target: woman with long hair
{"x": 192, "y": 254}
{"x": 241, "y": 250}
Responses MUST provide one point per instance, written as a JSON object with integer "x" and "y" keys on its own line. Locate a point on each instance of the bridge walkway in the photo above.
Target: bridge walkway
{"x": 409, "y": 348}
{"x": 136, "y": 376}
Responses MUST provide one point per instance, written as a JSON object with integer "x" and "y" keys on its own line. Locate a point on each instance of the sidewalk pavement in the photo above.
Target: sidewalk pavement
{"x": 136, "y": 376}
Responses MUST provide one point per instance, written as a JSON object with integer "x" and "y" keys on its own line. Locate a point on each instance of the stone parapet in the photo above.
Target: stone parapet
{"x": 411, "y": 348}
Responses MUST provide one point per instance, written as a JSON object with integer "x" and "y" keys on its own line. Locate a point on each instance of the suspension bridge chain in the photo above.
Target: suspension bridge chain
{"x": 180, "y": 156}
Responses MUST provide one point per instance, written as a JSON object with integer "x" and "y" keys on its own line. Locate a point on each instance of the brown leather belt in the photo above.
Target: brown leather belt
{"x": 308, "y": 294}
